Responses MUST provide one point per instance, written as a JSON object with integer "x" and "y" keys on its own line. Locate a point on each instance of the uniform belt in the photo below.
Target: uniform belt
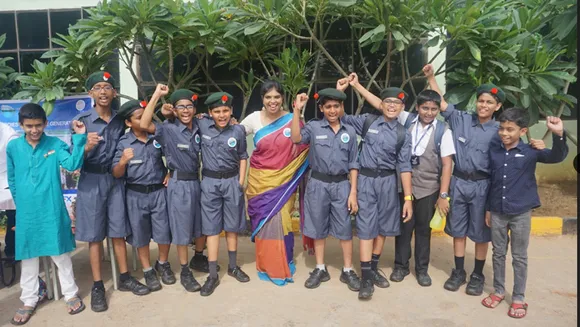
{"x": 474, "y": 176}
{"x": 219, "y": 174}
{"x": 183, "y": 175}
{"x": 144, "y": 188}
{"x": 96, "y": 169}
{"x": 376, "y": 173}
{"x": 328, "y": 178}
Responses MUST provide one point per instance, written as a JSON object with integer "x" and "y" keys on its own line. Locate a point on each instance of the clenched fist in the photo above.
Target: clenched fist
{"x": 79, "y": 127}
{"x": 300, "y": 101}
{"x": 92, "y": 140}
{"x": 128, "y": 154}
{"x": 428, "y": 70}
{"x": 161, "y": 90}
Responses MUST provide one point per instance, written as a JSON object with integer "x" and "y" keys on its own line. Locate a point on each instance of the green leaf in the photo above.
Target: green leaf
{"x": 369, "y": 34}
{"x": 566, "y": 111}
{"x": 545, "y": 85}
{"x": 254, "y": 28}
{"x": 433, "y": 42}
{"x": 48, "y": 106}
{"x": 343, "y": 3}
{"x": 148, "y": 32}
{"x": 512, "y": 88}
{"x": 459, "y": 94}
{"x": 526, "y": 100}
{"x": 2, "y": 40}
{"x": 475, "y": 51}
{"x": 399, "y": 45}
{"x": 561, "y": 75}
{"x": 398, "y": 36}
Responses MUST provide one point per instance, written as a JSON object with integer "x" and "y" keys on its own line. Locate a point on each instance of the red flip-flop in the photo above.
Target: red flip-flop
{"x": 518, "y": 306}
{"x": 494, "y": 298}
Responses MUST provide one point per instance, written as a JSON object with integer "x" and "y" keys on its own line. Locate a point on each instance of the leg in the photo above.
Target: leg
{"x": 457, "y": 226}
{"x": 234, "y": 222}
{"x": 29, "y": 284}
{"x": 144, "y": 257}
{"x": 520, "y": 227}
{"x": 424, "y": 210}
{"x": 200, "y": 243}
{"x": 163, "y": 252}
{"x": 403, "y": 247}
{"x": 67, "y": 283}
{"x": 9, "y": 248}
{"x": 367, "y": 230}
{"x": 95, "y": 255}
{"x": 121, "y": 254}
{"x": 499, "y": 241}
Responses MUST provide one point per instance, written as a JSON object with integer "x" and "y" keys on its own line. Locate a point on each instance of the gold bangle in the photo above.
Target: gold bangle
{"x": 408, "y": 198}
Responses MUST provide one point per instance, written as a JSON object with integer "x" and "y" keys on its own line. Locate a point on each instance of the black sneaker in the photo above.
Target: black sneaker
{"x": 458, "y": 278}
{"x": 239, "y": 274}
{"x": 366, "y": 290}
{"x": 201, "y": 264}
{"x": 424, "y": 279}
{"x": 209, "y": 286}
{"x": 98, "y": 300}
{"x": 152, "y": 281}
{"x": 133, "y": 285}
{"x": 189, "y": 282}
{"x": 475, "y": 285}
{"x": 399, "y": 274}
{"x": 351, "y": 280}
{"x": 316, "y": 277}
{"x": 167, "y": 276}
{"x": 378, "y": 279}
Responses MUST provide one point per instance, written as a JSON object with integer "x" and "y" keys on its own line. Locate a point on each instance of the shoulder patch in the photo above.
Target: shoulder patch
{"x": 156, "y": 144}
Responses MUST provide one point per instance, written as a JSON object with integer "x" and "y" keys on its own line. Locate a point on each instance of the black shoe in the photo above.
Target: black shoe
{"x": 424, "y": 279}
{"x": 475, "y": 285}
{"x": 167, "y": 276}
{"x": 399, "y": 274}
{"x": 133, "y": 285}
{"x": 366, "y": 290}
{"x": 152, "y": 281}
{"x": 378, "y": 279}
{"x": 316, "y": 277}
{"x": 351, "y": 280}
{"x": 458, "y": 278}
{"x": 209, "y": 286}
{"x": 201, "y": 264}
{"x": 98, "y": 300}
{"x": 189, "y": 282}
{"x": 239, "y": 274}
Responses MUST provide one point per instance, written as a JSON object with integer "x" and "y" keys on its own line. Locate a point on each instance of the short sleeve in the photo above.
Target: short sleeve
{"x": 356, "y": 122}
{"x": 306, "y": 133}
{"x": 447, "y": 148}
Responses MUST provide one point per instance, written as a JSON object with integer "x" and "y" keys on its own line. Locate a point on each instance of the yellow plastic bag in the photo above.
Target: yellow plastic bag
{"x": 437, "y": 222}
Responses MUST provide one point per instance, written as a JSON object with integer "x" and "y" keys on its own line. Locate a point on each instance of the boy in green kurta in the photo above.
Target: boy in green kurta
{"x": 43, "y": 226}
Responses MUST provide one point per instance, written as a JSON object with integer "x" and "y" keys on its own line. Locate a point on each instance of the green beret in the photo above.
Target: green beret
{"x": 330, "y": 93}
{"x": 219, "y": 99}
{"x": 493, "y": 90}
{"x": 98, "y": 77}
{"x": 129, "y": 107}
{"x": 183, "y": 94}
{"x": 393, "y": 92}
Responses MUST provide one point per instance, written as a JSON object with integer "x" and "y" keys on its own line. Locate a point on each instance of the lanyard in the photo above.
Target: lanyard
{"x": 417, "y": 135}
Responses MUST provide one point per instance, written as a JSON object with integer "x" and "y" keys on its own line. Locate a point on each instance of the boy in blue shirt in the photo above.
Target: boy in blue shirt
{"x": 512, "y": 196}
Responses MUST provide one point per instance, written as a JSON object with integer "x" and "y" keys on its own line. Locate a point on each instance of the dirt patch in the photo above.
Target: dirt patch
{"x": 558, "y": 199}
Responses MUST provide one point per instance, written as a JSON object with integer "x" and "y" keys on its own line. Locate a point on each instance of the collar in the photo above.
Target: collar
{"x": 484, "y": 126}
{"x": 521, "y": 145}
{"x": 324, "y": 123}
{"x": 133, "y": 138}
{"x": 391, "y": 124}
{"x": 95, "y": 116}
{"x": 181, "y": 125}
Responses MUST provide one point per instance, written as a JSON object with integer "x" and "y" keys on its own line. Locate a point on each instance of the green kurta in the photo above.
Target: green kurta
{"x": 43, "y": 226}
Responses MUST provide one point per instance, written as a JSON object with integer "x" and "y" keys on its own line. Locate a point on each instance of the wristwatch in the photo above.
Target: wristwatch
{"x": 444, "y": 195}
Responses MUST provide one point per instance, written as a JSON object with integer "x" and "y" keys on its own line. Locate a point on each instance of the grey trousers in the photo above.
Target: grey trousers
{"x": 519, "y": 227}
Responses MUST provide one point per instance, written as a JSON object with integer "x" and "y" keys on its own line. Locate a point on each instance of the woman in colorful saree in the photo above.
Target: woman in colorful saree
{"x": 276, "y": 169}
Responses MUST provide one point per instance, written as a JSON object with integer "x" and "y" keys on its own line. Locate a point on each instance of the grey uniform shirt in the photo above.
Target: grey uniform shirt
{"x": 222, "y": 151}
{"x": 330, "y": 153}
{"x": 471, "y": 139}
{"x": 379, "y": 149}
{"x": 102, "y": 154}
{"x": 180, "y": 145}
{"x": 146, "y": 167}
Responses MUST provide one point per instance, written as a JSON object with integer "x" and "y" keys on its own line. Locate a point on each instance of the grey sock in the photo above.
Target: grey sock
{"x": 213, "y": 269}
{"x": 233, "y": 259}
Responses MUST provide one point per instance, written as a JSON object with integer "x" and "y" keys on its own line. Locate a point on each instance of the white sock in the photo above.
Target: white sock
{"x": 147, "y": 269}
{"x": 161, "y": 262}
{"x": 347, "y": 269}
{"x": 321, "y": 267}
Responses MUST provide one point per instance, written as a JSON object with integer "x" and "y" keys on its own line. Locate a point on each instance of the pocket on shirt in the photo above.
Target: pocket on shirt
{"x": 482, "y": 148}
{"x": 323, "y": 144}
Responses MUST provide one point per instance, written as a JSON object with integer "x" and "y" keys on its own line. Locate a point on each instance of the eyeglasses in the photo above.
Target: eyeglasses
{"x": 189, "y": 107}
{"x": 98, "y": 88}
{"x": 389, "y": 101}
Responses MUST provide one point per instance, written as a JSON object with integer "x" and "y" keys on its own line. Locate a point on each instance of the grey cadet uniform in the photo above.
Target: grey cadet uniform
{"x": 331, "y": 157}
{"x": 222, "y": 197}
{"x": 378, "y": 200}
{"x": 181, "y": 148}
{"x": 470, "y": 181}
{"x": 145, "y": 194}
{"x": 100, "y": 202}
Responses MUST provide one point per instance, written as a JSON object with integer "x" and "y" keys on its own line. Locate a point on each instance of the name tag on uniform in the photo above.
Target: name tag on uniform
{"x": 321, "y": 137}
{"x": 461, "y": 139}
{"x": 206, "y": 137}
{"x": 49, "y": 153}
{"x": 519, "y": 155}
{"x": 183, "y": 146}
{"x": 373, "y": 131}
{"x": 135, "y": 162}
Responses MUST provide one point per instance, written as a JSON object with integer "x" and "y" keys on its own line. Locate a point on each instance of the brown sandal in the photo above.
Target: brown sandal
{"x": 25, "y": 313}
{"x": 70, "y": 304}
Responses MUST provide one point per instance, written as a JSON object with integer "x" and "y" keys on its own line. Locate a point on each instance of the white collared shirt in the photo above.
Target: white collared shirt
{"x": 7, "y": 134}
{"x": 447, "y": 147}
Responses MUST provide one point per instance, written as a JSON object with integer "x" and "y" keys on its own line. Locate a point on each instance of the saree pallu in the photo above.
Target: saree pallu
{"x": 276, "y": 169}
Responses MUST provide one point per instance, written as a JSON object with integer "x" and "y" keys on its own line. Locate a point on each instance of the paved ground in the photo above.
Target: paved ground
{"x": 552, "y": 295}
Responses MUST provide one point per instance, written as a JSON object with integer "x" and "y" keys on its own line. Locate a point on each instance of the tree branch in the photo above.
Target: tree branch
{"x": 406, "y": 67}
{"x": 562, "y": 103}
{"x": 205, "y": 70}
{"x": 365, "y": 66}
{"x": 389, "y": 53}
{"x": 170, "y": 53}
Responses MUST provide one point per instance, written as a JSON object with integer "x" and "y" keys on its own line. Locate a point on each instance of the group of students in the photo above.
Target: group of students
{"x": 127, "y": 192}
